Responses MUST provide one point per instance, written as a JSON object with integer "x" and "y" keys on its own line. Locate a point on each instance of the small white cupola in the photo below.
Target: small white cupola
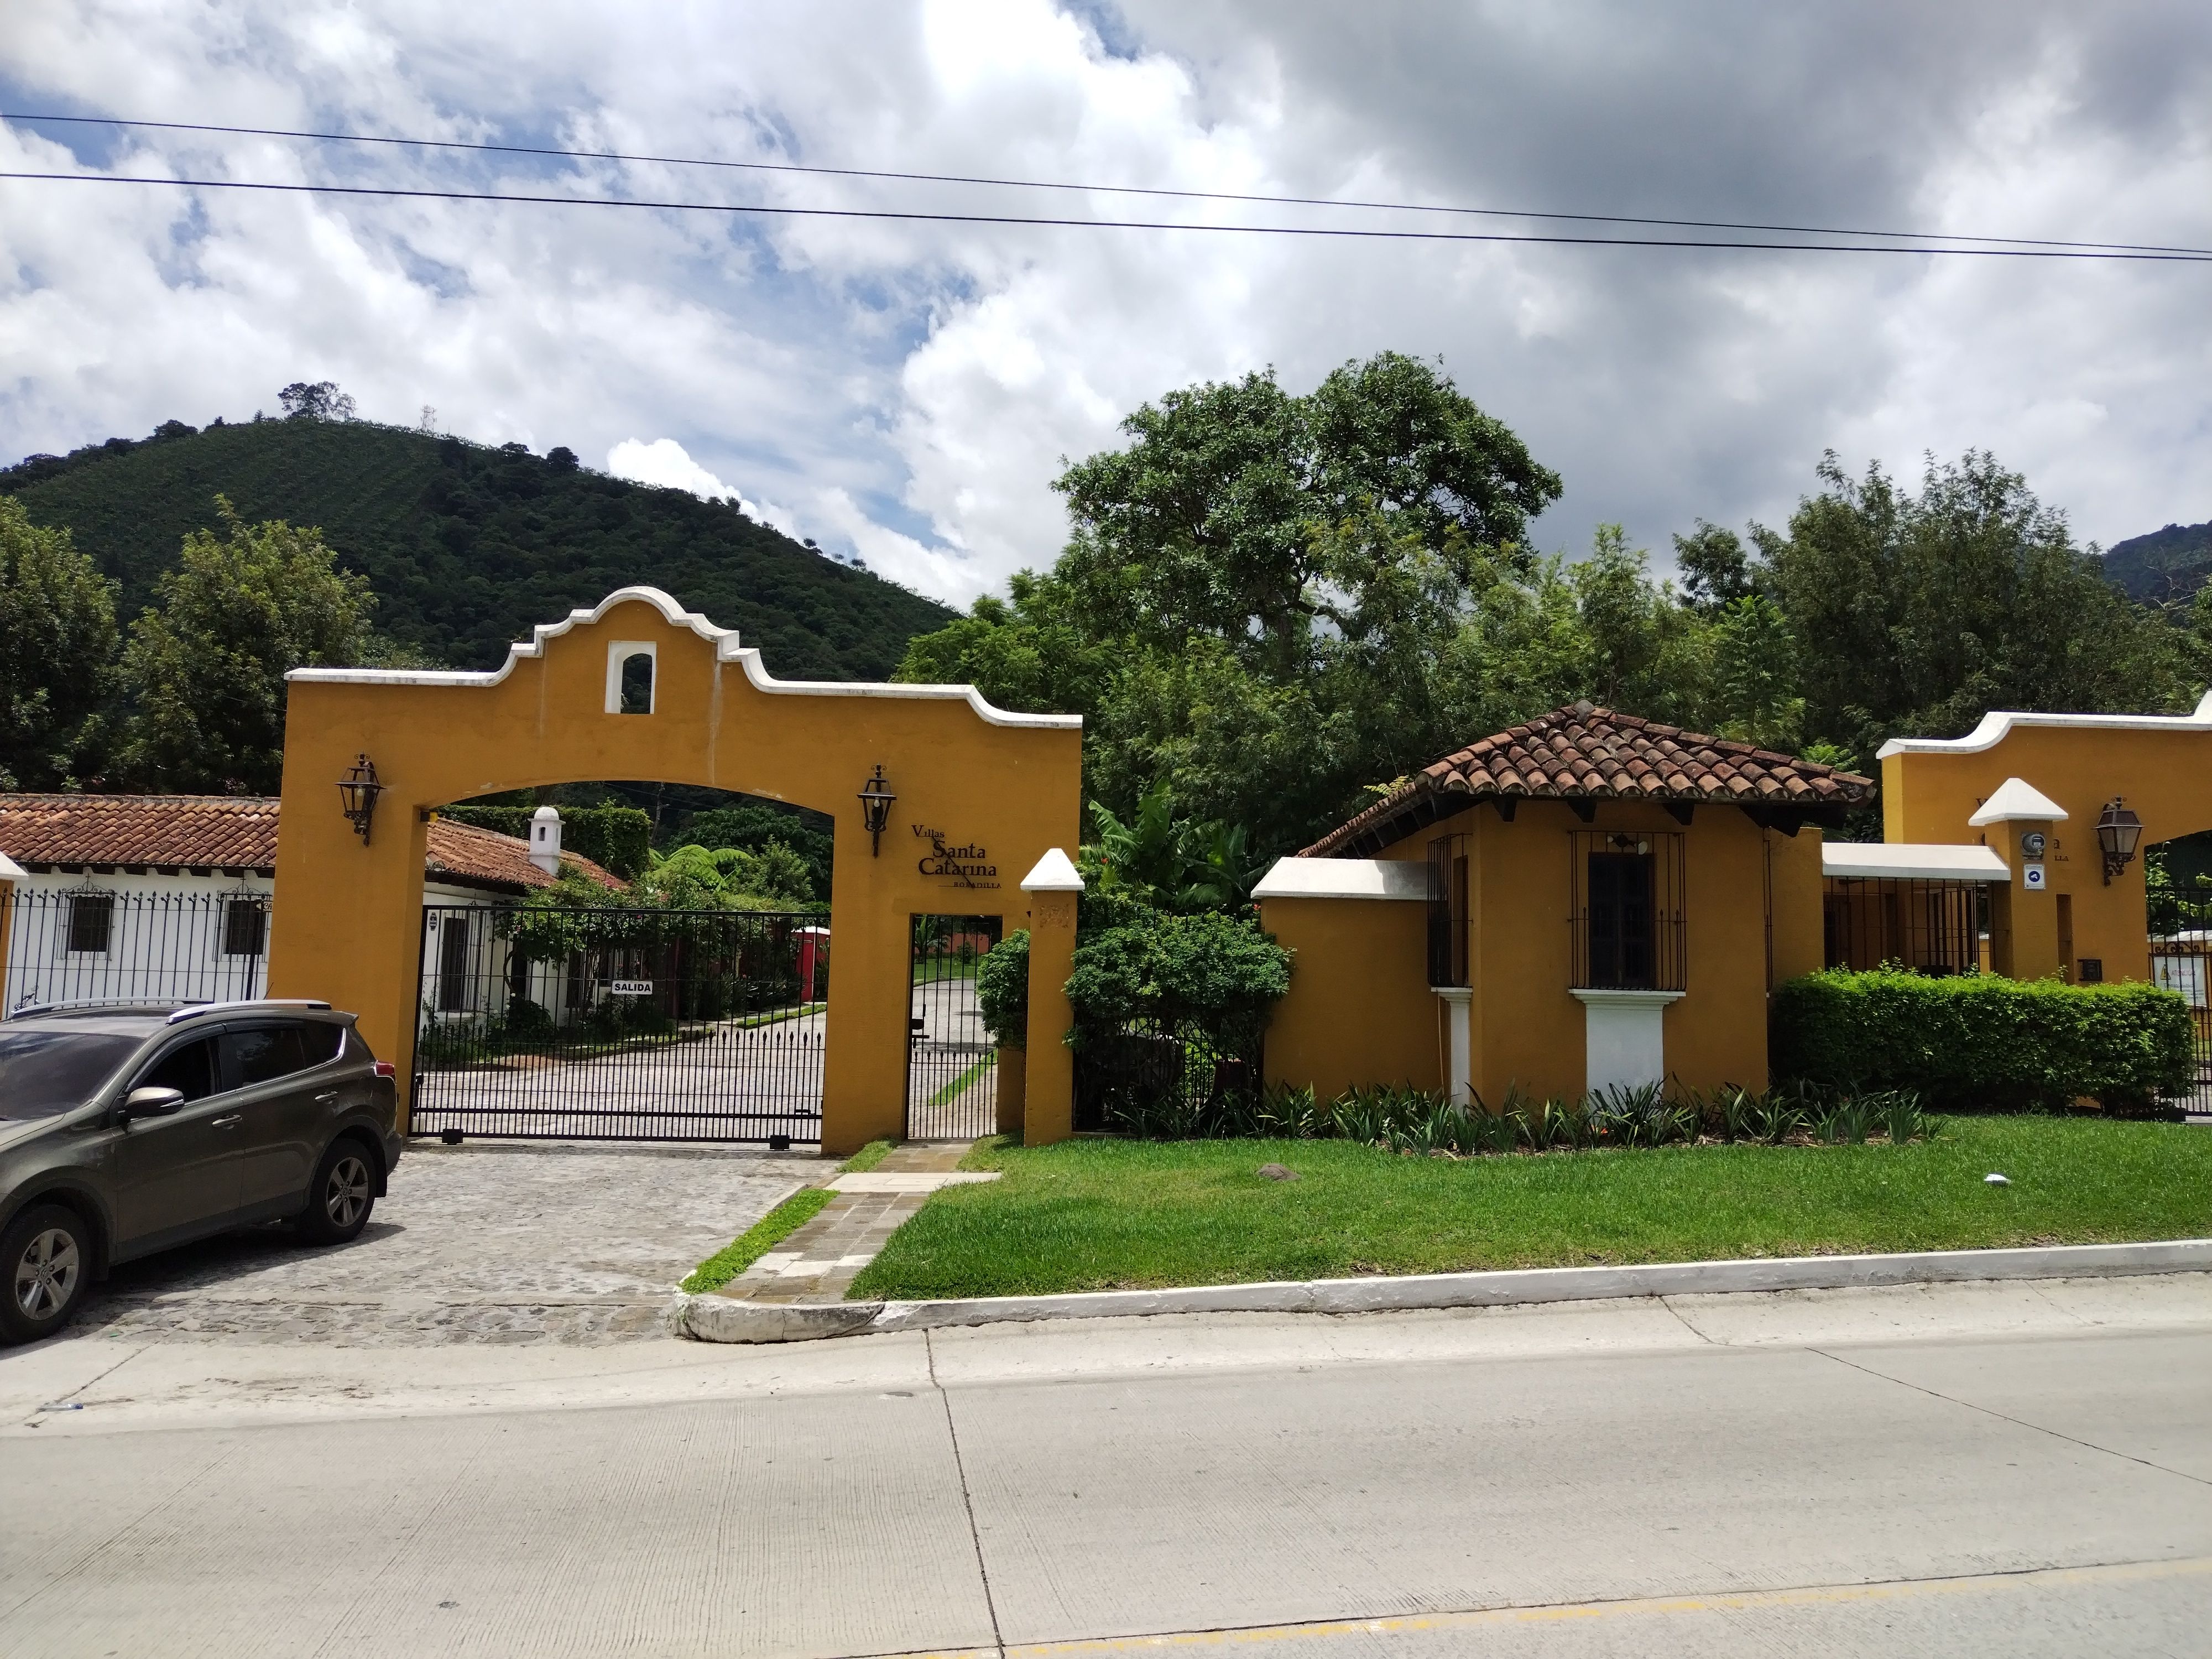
{"x": 545, "y": 840}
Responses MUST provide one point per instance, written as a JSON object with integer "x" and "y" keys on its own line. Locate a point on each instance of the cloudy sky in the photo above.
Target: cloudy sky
{"x": 905, "y": 391}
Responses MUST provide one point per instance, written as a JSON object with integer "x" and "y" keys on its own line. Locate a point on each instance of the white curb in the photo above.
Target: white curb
{"x": 1482, "y": 1289}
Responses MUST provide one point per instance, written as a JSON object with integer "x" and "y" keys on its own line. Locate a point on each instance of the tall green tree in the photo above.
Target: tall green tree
{"x": 58, "y": 643}
{"x": 205, "y": 666}
{"x": 1917, "y": 612}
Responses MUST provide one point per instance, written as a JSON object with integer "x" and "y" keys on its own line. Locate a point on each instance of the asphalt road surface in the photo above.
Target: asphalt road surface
{"x": 2016, "y": 1470}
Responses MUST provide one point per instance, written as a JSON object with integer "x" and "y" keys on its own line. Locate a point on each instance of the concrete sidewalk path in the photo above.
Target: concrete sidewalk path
{"x": 2022, "y": 1469}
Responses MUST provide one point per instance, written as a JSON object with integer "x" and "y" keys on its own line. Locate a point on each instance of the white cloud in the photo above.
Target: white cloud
{"x": 909, "y": 389}
{"x": 665, "y": 462}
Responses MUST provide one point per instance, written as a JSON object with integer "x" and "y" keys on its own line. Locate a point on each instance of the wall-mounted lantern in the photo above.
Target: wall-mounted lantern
{"x": 357, "y": 793}
{"x": 876, "y": 799}
{"x": 2119, "y": 830}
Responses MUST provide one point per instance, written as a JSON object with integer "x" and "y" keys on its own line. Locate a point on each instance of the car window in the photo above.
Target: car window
{"x": 262, "y": 1053}
{"x": 319, "y": 1042}
{"x": 45, "y": 1071}
{"x": 189, "y": 1069}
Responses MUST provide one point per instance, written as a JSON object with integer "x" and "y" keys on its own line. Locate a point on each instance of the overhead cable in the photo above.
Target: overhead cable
{"x": 553, "y": 152}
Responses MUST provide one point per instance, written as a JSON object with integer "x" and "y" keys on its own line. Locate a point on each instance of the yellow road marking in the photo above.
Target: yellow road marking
{"x": 1559, "y": 1613}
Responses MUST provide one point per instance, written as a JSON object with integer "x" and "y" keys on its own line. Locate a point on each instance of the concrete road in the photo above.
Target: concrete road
{"x": 2014, "y": 1469}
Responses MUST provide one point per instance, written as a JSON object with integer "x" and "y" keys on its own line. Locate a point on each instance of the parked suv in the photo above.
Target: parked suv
{"x": 129, "y": 1127}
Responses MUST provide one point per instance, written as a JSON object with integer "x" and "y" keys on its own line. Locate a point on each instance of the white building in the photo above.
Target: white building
{"x": 168, "y": 896}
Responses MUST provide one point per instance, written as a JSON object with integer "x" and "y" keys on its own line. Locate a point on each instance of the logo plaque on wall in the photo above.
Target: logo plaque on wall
{"x": 962, "y": 864}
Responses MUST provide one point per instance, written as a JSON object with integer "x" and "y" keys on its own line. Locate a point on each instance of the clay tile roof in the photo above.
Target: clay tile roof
{"x": 1586, "y": 753}
{"x": 465, "y": 854}
{"x": 235, "y": 832}
{"x": 228, "y": 832}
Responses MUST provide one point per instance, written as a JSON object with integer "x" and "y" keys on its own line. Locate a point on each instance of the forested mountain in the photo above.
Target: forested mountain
{"x": 467, "y": 547}
{"x": 2164, "y": 567}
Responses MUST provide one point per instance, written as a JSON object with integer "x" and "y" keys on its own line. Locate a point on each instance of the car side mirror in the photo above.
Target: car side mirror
{"x": 151, "y": 1102}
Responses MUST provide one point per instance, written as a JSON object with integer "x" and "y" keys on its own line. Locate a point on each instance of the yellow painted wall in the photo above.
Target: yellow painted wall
{"x": 348, "y": 918}
{"x": 1359, "y": 1010}
{"x": 2165, "y": 774}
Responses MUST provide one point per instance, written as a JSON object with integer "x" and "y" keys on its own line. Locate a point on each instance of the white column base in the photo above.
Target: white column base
{"x": 1459, "y": 1045}
{"x": 1624, "y": 1037}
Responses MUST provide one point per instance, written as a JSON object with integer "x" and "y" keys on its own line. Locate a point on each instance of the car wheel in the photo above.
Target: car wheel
{"x": 343, "y": 1193}
{"x": 46, "y": 1257}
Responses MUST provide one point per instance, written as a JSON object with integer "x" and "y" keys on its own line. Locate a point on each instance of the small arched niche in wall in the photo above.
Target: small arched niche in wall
{"x": 630, "y": 675}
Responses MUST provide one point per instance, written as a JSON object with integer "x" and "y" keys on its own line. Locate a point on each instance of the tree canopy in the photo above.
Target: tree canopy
{"x": 1271, "y": 606}
{"x": 58, "y": 643}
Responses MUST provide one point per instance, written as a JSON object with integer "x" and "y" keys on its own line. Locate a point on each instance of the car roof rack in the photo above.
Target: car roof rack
{"x": 198, "y": 1008}
{"x": 91, "y": 1005}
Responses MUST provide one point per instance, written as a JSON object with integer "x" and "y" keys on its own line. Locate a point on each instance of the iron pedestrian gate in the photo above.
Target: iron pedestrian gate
{"x": 620, "y": 1025}
{"x": 2184, "y": 964}
{"x": 952, "y": 1064}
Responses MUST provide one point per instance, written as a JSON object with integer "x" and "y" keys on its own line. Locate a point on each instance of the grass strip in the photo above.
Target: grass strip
{"x": 866, "y": 1159}
{"x": 757, "y": 1240}
{"x": 1099, "y": 1214}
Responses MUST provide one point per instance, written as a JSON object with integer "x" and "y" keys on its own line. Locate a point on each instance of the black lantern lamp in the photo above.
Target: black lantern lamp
{"x": 357, "y": 793}
{"x": 876, "y": 799}
{"x": 2119, "y": 830}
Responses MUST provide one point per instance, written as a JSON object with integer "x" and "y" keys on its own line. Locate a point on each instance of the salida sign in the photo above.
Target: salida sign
{"x": 964, "y": 865}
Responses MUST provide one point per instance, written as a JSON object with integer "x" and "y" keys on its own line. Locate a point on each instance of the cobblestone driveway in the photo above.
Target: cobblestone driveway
{"x": 475, "y": 1243}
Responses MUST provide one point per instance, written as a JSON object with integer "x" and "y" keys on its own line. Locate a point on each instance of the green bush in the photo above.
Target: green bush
{"x": 1002, "y": 990}
{"x": 1220, "y": 975}
{"x": 1982, "y": 1042}
{"x": 617, "y": 838}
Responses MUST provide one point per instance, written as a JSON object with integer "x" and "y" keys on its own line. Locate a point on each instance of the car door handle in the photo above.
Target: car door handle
{"x": 231, "y": 1122}
{"x": 326, "y": 1097}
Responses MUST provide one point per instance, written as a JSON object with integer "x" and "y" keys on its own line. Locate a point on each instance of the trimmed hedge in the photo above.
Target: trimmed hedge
{"x": 1002, "y": 990}
{"x": 617, "y": 838}
{"x": 1982, "y": 1042}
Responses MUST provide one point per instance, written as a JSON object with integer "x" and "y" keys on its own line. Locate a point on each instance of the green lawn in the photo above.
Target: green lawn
{"x": 1089, "y": 1215}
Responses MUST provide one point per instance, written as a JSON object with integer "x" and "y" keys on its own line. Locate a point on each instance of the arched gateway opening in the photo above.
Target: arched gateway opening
{"x": 961, "y": 802}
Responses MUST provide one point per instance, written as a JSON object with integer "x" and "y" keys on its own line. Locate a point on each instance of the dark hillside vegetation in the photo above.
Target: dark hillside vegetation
{"x": 467, "y": 547}
{"x": 2164, "y": 568}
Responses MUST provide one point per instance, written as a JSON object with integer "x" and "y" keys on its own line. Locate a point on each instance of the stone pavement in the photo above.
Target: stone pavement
{"x": 489, "y": 1241}
{"x": 819, "y": 1262}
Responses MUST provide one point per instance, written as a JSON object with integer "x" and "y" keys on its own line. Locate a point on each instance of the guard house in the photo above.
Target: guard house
{"x": 1590, "y": 900}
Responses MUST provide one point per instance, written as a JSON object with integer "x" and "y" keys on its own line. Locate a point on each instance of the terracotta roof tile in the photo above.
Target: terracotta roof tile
{"x": 1587, "y": 753}
{"x": 235, "y": 832}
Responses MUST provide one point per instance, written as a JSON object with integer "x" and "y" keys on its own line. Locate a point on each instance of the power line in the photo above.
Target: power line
{"x": 1117, "y": 190}
{"x": 1337, "y": 232}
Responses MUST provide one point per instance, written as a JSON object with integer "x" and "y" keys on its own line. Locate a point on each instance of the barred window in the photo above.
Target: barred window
{"x": 245, "y": 927}
{"x": 91, "y": 923}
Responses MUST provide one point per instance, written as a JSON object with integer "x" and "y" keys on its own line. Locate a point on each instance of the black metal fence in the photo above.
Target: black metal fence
{"x": 1155, "y": 1077}
{"x": 612, "y": 1024}
{"x": 1931, "y": 926}
{"x": 95, "y": 942}
{"x": 952, "y": 1065}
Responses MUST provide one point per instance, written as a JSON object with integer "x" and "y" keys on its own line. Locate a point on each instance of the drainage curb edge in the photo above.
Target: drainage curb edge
{"x": 729, "y": 1320}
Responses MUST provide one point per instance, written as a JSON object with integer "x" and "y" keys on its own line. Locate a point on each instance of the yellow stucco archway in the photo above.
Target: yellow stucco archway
{"x": 348, "y": 916}
{"x": 2160, "y": 764}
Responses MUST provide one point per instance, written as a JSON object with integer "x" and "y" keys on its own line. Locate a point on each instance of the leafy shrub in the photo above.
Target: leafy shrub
{"x": 1980, "y": 1043}
{"x": 1002, "y": 990}
{"x": 1217, "y": 973}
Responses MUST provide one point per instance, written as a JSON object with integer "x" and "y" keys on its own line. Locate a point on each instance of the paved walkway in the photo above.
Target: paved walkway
{"x": 819, "y": 1262}
{"x": 485, "y": 1243}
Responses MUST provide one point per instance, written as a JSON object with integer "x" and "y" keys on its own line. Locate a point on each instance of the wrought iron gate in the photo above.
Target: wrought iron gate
{"x": 952, "y": 1065}
{"x": 2184, "y": 964}
{"x": 616, "y": 1024}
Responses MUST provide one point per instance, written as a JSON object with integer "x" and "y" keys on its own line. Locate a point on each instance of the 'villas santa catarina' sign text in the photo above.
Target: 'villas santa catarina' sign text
{"x": 964, "y": 864}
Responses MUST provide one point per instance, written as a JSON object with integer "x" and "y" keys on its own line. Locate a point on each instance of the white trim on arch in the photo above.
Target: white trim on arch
{"x": 619, "y": 652}
{"x": 726, "y": 649}
{"x": 1997, "y": 725}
